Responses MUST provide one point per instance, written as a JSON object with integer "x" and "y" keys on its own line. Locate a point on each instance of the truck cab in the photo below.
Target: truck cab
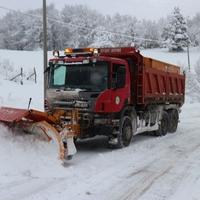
{"x": 92, "y": 83}
{"x": 110, "y": 89}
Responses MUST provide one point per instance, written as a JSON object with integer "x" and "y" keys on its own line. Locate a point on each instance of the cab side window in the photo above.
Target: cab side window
{"x": 119, "y": 74}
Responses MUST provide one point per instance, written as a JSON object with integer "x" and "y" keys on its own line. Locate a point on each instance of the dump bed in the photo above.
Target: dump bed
{"x": 159, "y": 82}
{"x": 163, "y": 66}
{"x": 152, "y": 81}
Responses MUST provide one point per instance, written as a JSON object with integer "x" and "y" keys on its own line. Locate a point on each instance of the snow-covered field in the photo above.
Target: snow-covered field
{"x": 151, "y": 168}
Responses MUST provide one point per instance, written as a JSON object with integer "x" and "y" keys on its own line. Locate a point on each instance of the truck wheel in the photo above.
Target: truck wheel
{"x": 163, "y": 126}
{"x": 122, "y": 136}
{"x": 125, "y": 132}
{"x": 173, "y": 120}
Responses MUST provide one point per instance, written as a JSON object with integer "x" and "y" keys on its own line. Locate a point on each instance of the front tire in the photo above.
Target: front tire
{"x": 122, "y": 136}
{"x": 126, "y": 132}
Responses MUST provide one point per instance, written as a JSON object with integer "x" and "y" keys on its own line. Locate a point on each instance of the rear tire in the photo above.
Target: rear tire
{"x": 173, "y": 120}
{"x": 163, "y": 126}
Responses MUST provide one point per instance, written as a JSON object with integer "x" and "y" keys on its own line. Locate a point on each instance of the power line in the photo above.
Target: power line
{"x": 22, "y": 13}
{"x": 65, "y": 24}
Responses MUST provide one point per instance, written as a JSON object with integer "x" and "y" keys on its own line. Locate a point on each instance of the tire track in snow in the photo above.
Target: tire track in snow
{"x": 28, "y": 188}
{"x": 138, "y": 182}
{"x": 145, "y": 183}
{"x": 149, "y": 177}
{"x": 13, "y": 184}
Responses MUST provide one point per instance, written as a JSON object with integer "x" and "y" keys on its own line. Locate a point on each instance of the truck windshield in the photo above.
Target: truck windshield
{"x": 92, "y": 77}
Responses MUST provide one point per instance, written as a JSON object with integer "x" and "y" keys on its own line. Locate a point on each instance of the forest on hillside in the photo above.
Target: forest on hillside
{"x": 80, "y": 26}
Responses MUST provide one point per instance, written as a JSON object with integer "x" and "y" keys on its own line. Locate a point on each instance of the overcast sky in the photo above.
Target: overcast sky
{"x": 148, "y": 9}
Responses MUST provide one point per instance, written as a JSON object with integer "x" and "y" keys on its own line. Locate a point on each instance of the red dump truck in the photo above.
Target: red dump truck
{"x": 117, "y": 92}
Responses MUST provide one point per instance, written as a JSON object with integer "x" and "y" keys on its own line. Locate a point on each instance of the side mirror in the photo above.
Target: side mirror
{"x": 47, "y": 69}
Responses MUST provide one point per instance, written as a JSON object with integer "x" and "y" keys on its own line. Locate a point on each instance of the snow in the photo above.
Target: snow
{"x": 175, "y": 32}
{"x": 17, "y": 95}
{"x": 151, "y": 168}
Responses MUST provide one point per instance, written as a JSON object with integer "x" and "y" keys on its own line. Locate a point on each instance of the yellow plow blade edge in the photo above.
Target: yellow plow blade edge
{"x": 47, "y": 125}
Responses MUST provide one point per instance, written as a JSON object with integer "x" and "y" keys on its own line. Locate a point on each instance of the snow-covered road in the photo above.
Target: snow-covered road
{"x": 153, "y": 168}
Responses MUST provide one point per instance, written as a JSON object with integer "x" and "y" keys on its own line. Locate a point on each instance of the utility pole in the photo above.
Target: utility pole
{"x": 45, "y": 44}
{"x": 188, "y": 55}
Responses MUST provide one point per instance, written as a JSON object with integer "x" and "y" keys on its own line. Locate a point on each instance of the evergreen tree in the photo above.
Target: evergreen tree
{"x": 175, "y": 33}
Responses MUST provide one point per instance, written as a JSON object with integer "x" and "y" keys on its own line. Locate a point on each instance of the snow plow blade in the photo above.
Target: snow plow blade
{"x": 48, "y": 125}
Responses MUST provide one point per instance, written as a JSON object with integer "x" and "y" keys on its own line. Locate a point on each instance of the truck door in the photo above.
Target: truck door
{"x": 120, "y": 85}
